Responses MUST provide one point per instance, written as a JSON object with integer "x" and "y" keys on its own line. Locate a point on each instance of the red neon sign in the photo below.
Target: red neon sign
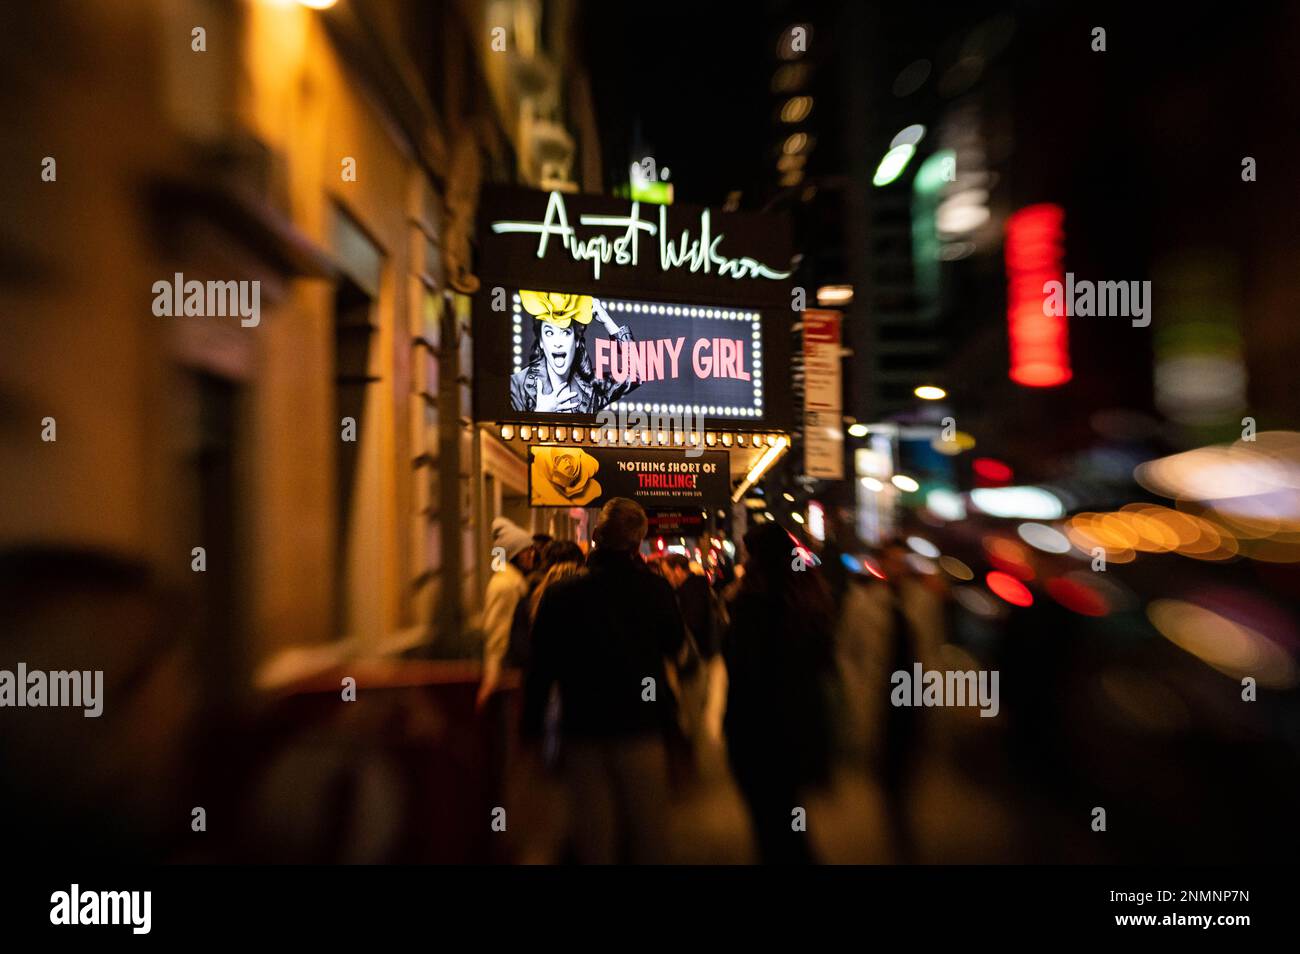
{"x": 1040, "y": 345}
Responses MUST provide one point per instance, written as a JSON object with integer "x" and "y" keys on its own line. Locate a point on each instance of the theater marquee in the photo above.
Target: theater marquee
{"x": 594, "y": 306}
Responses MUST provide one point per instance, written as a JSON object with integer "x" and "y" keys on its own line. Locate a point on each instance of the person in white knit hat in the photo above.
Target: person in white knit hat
{"x": 513, "y": 556}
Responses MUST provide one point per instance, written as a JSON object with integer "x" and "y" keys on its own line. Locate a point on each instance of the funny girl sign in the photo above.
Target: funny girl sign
{"x": 580, "y": 354}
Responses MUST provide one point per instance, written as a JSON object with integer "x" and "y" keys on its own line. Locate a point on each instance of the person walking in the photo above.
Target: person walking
{"x": 778, "y": 651}
{"x": 514, "y": 556}
{"x": 556, "y": 559}
{"x": 603, "y": 638}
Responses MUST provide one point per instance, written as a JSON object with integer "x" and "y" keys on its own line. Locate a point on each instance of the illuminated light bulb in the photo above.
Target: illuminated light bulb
{"x": 507, "y": 432}
{"x": 928, "y": 392}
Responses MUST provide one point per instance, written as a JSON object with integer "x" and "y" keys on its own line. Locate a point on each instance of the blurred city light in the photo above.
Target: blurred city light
{"x": 908, "y": 136}
{"x": 796, "y": 109}
{"x": 1009, "y": 588}
{"x": 833, "y": 295}
{"x": 1077, "y": 596}
{"x": 893, "y": 164}
{"x": 923, "y": 547}
{"x": 1024, "y": 503}
{"x": 960, "y": 442}
{"x": 1042, "y": 537}
{"x": 946, "y": 504}
{"x": 1008, "y": 556}
{"x": 928, "y": 392}
{"x": 956, "y": 568}
{"x": 1040, "y": 355}
{"x": 1230, "y": 647}
{"x": 816, "y": 520}
{"x": 975, "y": 599}
{"x": 992, "y": 471}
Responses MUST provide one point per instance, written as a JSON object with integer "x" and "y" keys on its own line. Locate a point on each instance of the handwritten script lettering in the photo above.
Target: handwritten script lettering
{"x": 701, "y": 255}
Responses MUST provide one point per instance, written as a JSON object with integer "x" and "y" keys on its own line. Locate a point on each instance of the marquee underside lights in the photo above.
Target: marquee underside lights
{"x": 1040, "y": 353}
{"x": 778, "y": 444}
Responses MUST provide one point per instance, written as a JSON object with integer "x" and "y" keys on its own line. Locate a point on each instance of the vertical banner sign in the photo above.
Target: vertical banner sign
{"x": 1040, "y": 343}
{"x": 823, "y": 414}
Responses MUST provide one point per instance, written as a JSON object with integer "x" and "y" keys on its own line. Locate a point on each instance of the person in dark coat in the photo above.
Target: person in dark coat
{"x": 696, "y": 602}
{"x": 603, "y": 638}
{"x": 779, "y": 656}
{"x": 553, "y": 553}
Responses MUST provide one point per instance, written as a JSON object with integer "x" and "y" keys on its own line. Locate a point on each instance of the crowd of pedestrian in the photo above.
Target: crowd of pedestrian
{"x": 629, "y": 663}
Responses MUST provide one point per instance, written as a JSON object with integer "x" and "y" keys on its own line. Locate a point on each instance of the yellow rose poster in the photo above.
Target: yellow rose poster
{"x": 563, "y": 477}
{"x": 567, "y": 476}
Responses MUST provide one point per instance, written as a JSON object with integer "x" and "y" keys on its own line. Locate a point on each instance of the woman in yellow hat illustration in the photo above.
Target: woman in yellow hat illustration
{"x": 558, "y": 378}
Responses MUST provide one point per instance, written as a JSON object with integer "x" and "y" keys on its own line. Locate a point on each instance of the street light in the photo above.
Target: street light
{"x": 835, "y": 294}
